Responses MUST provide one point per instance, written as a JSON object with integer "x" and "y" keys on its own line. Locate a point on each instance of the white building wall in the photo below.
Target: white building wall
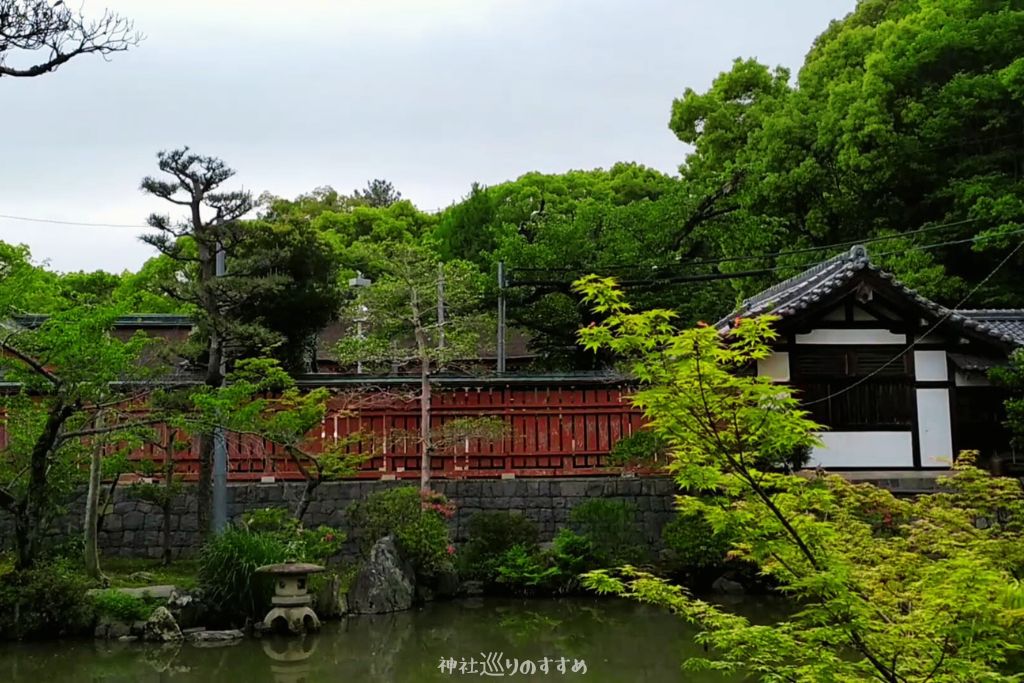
{"x": 775, "y": 366}
{"x": 935, "y": 427}
{"x": 930, "y": 366}
{"x": 864, "y": 449}
{"x": 829, "y": 336}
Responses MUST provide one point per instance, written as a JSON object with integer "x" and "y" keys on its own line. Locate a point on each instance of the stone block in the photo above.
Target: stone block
{"x": 133, "y": 521}
{"x": 573, "y": 489}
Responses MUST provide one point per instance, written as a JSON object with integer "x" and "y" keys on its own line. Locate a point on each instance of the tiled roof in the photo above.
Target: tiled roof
{"x": 801, "y": 292}
{"x": 1005, "y": 321}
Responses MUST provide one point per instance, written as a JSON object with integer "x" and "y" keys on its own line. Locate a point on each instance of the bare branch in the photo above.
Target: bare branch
{"x": 59, "y": 34}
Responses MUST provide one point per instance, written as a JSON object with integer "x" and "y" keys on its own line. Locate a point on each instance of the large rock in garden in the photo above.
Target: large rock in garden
{"x": 329, "y": 602}
{"x": 161, "y": 627}
{"x": 727, "y": 586}
{"x": 385, "y": 583}
{"x": 186, "y": 608}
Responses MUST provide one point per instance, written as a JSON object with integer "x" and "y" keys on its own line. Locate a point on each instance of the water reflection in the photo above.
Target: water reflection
{"x": 619, "y": 641}
{"x": 290, "y": 657}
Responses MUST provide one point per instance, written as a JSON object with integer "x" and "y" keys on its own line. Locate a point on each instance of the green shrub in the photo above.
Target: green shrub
{"x": 573, "y": 554}
{"x": 692, "y": 545}
{"x": 522, "y": 570}
{"x": 490, "y": 535}
{"x": 227, "y": 571}
{"x": 302, "y": 545}
{"x": 415, "y": 520}
{"x": 611, "y": 528}
{"x": 640, "y": 449}
{"x": 48, "y": 601}
{"x": 119, "y": 606}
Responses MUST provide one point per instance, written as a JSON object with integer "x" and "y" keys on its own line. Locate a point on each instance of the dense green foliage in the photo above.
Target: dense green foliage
{"x": 694, "y": 547}
{"x": 416, "y": 520}
{"x": 229, "y": 560}
{"x": 503, "y": 551}
{"x": 491, "y": 535}
{"x": 46, "y": 601}
{"x": 118, "y": 606}
{"x": 227, "y": 572}
{"x": 890, "y": 589}
{"x": 1011, "y": 378}
{"x": 643, "y": 449}
{"x": 611, "y": 528}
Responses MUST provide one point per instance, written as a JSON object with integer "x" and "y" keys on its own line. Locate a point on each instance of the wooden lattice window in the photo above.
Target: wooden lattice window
{"x": 855, "y": 389}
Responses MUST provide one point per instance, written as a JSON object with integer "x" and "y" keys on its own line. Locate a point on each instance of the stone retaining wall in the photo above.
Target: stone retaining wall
{"x": 131, "y": 527}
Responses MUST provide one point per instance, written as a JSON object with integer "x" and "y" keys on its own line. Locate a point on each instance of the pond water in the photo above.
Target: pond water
{"x": 618, "y": 641}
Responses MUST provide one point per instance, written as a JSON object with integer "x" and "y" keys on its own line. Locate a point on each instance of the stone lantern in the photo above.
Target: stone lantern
{"x": 292, "y": 601}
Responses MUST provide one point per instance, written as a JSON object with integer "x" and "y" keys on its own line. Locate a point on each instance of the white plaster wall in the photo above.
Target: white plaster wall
{"x": 775, "y": 366}
{"x": 860, "y": 314}
{"x": 864, "y": 449}
{"x": 935, "y": 427}
{"x": 826, "y": 336}
{"x": 930, "y": 366}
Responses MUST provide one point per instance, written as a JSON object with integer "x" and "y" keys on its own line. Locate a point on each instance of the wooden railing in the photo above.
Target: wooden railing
{"x": 548, "y": 430}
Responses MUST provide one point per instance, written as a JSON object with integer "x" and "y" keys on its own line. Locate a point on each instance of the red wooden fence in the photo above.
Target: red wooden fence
{"x": 549, "y": 430}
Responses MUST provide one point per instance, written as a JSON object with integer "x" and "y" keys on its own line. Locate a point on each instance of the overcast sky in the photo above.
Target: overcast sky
{"x": 430, "y": 94}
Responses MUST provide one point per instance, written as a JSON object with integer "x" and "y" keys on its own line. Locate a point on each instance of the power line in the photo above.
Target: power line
{"x": 78, "y": 223}
{"x": 913, "y": 344}
{"x": 790, "y": 252}
{"x": 712, "y": 277}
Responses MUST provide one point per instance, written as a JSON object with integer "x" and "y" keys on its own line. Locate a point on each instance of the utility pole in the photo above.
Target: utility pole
{"x": 359, "y": 282}
{"x": 440, "y": 305}
{"x": 501, "y": 317}
{"x": 220, "y": 441}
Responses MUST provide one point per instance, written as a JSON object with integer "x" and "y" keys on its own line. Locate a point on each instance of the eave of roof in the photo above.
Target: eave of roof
{"x": 802, "y": 292}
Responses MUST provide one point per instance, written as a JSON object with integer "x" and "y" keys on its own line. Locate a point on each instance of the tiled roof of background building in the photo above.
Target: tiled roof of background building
{"x": 801, "y": 292}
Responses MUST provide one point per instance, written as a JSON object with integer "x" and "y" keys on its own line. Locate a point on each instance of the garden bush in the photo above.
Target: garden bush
{"x": 611, "y": 528}
{"x": 573, "y": 554}
{"x": 692, "y": 546}
{"x": 48, "y": 601}
{"x": 227, "y": 572}
{"x": 640, "y": 449}
{"x": 301, "y": 545}
{"x": 524, "y": 571}
{"x": 491, "y": 534}
{"x": 415, "y": 519}
{"x": 119, "y": 606}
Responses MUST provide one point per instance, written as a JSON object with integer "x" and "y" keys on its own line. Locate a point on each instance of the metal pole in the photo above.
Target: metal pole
{"x": 359, "y": 335}
{"x": 440, "y": 305}
{"x": 501, "y": 317}
{"x": 220, "y": 441}
{"x": 359, "y": 282}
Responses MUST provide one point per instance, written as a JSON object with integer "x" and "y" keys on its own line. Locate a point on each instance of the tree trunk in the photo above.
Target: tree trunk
{"x": 425, "y": 391}
{"x": 90, "y": 524}
{"x": 167, "y": 500}
{"x": 307, "y": 497}
{"x": 30, "y": 514}
{"x": 204, "y": 485}
{"x": 423, "y": 352}
{"x": 214, "y": 361}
